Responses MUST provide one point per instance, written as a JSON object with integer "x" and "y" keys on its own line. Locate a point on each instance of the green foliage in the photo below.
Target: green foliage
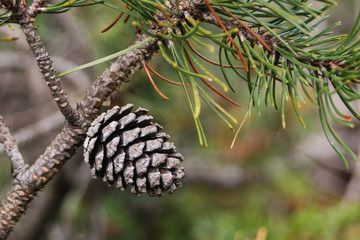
{"x": 284, "y": 59}
{"x": 274, "y": 46}
{"x": 66, "y": 5}
{"x": 4, "y": 15}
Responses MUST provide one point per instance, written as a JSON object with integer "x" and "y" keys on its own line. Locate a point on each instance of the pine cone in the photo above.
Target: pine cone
{"x": 126, "y": 148}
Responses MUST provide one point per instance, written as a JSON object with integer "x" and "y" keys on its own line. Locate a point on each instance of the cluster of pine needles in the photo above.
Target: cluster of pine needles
{"x": 272, "y": 45}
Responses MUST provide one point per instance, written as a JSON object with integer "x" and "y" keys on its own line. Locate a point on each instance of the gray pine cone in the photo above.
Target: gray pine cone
{"x": 126, "y": 148}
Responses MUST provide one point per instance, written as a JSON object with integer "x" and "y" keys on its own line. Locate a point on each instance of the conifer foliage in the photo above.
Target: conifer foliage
{"x": 273, "y": 45}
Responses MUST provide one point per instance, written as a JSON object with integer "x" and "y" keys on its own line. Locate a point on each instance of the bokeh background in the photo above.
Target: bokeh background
{"x": 273, "y": 184}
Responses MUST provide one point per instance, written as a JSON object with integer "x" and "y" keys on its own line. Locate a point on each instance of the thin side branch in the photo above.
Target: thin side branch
{"x": 45, "y": 65}
{"x": 28, "y": 183}
{"x": 11, "y": 148}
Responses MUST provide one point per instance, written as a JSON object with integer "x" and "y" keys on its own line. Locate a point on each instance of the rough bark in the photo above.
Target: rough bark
{"x": 45, "y": 65}
{"x": 29, "y": 182}
{"x": 12, "y": 150}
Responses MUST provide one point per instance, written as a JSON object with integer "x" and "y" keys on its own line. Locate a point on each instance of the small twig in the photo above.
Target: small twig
{"x": 25, "y": 19}
{"x": 12, "y": 150}
{"x": 45, "y": 64}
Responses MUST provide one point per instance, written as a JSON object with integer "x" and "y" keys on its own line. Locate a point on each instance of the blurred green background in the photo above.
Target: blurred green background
{"x": 273, "y": 184}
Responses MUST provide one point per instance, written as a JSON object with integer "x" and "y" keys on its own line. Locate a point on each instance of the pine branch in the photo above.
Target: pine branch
{"x": 271, "y": 43}
{"x": 11, "y": 148}
{"x": 45, "y": 65}
{"x": 176, "y": 22}
{"x": 28, "y": 183}
{"x": 275, "y": 40}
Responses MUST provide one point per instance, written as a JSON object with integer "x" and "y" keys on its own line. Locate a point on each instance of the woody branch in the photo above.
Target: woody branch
{"x": 12, "y": 150}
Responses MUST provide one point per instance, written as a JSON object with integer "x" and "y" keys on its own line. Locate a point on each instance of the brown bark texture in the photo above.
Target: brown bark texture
{"x": 30, "y": 180}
